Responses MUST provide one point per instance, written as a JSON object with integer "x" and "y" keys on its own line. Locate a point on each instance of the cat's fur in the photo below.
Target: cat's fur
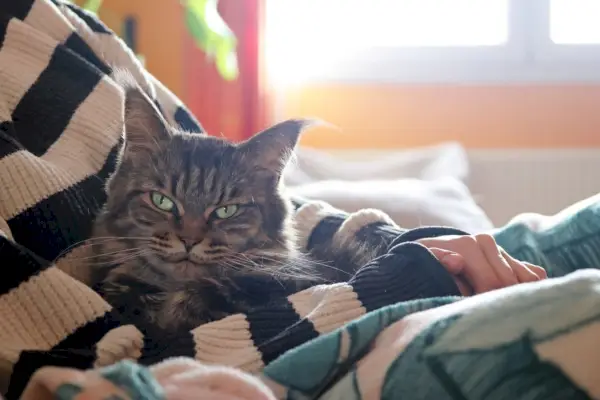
{"x": 176, "y": 270}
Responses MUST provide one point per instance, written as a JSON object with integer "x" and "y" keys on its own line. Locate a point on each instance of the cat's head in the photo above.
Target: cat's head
{"x": 190, "y": 202}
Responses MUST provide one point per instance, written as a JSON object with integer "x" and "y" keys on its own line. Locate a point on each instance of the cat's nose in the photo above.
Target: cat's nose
{"x": 188, "y": 243}
{"x": 192, "y": 232}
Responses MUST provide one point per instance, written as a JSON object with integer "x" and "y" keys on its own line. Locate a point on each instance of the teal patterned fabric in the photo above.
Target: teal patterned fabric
{"x": 324, "y": 357}
{"x": 125, "y": 380}
{"x": 572, "y": 243}
{"x": 531, "y": 341}
{"x": 508, "y": 344}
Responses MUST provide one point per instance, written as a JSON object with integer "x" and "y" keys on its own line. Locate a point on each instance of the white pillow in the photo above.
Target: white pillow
{"x": 444, "y": 160}
{"x": 409, "y": 202}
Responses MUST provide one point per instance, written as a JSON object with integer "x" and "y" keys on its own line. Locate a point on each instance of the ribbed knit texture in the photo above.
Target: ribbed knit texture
{"x": 61, "y": 123}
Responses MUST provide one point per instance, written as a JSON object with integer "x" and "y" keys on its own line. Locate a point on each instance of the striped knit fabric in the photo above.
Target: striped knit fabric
{"x": 61, "y": 123}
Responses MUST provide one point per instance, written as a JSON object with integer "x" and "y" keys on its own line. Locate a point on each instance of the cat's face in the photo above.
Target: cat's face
{"x": 198, "y": 206}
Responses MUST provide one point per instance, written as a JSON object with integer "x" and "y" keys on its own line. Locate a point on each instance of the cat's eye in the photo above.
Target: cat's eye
{"x": 225, "y": 212}
{"x": 162, "y": 202}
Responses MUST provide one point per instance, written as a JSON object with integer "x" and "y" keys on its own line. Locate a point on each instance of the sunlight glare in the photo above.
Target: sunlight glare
{"x": 575, "y": 21}
{"x": 305, "y": 37}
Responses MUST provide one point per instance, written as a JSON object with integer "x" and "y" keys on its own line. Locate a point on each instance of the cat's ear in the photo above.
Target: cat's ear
{"x": 272, "y": 148}
{"x": 145, "y": 127}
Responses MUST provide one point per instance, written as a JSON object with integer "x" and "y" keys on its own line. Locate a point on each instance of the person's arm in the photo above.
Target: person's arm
{"x": 343, "y": 243}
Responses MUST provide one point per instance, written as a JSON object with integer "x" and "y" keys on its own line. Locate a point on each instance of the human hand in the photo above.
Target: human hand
{"x": 479, "y": 265}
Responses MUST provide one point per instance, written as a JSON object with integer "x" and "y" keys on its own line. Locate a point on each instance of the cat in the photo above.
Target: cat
{"x": 193, "y": 222}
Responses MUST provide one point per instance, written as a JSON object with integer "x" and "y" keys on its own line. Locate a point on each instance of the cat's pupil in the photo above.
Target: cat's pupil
{"x": 226, "y": 211}
{"x": 161, "y": 201}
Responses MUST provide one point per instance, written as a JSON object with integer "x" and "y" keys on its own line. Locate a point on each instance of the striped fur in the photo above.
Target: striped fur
{"x": 61, "y": 125}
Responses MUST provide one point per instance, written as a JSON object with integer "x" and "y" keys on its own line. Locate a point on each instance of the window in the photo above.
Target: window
{"x": 575, "y": 22}
{"x": 433, "y": 40}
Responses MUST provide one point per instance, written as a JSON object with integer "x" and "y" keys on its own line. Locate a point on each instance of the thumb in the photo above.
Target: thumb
{"x": 453, "y": 262}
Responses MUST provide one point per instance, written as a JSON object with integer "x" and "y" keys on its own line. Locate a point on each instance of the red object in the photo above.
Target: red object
{"x": 234, "y": 109}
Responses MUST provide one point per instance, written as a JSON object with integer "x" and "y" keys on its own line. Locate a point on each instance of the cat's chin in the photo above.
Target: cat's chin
{"x": 183, "y": 264}
{"x": 178, "y": 267}
{"x": 182, "y": 259}
{"x": 185, "y": 269}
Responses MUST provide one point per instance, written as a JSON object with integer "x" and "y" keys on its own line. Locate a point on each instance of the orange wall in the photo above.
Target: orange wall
{"x": 160, "y": 35}
{"x": 509, "y": 116}
{"x": 174, "y": 59}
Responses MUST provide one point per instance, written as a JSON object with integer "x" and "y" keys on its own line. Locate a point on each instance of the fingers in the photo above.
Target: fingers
{"x": 503, "y": 270}
{"x": 478, "y": 271}
{"x": 524, "y": 271}
{"x": 480, "y": 263}
{"x": 536, "y": 269}
{"x": 453, "y": 262}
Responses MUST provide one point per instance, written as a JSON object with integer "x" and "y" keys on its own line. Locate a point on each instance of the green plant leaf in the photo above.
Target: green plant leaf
{"x": 212, "y": 35}
{"x": 92, "y": 5}
{"x": 227, "y": 63}
{"x": 208, "y": 30}
{"x": 197, "y": 29}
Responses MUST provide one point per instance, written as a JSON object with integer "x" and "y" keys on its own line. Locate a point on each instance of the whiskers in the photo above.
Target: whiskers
{"x": 296, "y": 267}
{"x": 91, "y": 253}
{"x": 115, "y": 257}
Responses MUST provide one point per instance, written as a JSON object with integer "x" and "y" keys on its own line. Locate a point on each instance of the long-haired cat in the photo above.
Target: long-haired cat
{"x": 189, "y": 218}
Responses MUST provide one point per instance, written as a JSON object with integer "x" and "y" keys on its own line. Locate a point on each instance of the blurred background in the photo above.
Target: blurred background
{"x": 462, "y": 112}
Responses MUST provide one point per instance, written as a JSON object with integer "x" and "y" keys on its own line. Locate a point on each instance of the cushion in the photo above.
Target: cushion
{"x": 444, "y": 160}
{"x": 409, "y": 202}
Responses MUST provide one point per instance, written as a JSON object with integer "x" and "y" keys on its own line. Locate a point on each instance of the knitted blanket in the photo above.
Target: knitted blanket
{"x": 539, "y": 343}
{"x": 61, "y": 127}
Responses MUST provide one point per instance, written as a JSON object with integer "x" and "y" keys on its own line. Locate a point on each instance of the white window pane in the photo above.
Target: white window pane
{"x": 305, "y": 37}
{"x": 575, "y": 21}
{"x": 438, "y": 23}
{"x": 361, "y": 23}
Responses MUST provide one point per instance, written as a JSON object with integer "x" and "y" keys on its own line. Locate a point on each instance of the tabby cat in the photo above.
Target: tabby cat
{"x": 193, "y": 224}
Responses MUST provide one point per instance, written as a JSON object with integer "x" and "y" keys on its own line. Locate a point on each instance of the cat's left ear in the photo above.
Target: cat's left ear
{"x": 272, "y": 148}
{"x": 145, "y": 127}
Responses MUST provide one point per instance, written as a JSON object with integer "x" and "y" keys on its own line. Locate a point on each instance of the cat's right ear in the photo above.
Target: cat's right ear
{"x": 145, "y": 127}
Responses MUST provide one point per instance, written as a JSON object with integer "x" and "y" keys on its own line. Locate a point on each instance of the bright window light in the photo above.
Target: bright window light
{"x": 575, "y": 21}
{"x": 304, "y": 36}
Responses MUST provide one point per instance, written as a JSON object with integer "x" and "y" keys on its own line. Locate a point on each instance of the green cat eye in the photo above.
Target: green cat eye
{"x": 162, "y": 202}
{"x": 226, "y": 211}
